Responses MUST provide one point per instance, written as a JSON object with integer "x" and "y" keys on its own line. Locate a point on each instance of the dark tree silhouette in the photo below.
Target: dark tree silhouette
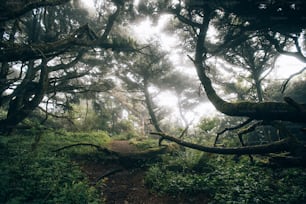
{"x": 41, "y": 47}
{"x": 277, "y": 23}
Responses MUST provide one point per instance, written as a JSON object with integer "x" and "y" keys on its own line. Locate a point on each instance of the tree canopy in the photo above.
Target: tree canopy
{"x": 55, "y": 52}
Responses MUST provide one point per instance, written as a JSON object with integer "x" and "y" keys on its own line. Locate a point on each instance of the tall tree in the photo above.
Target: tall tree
{"x": 188, "y": 91}
{"x": 257, "y": 56}
{"x": 278, "y": 22}
{"x": 145, "y": 70}
{"x": 41, "y": 45}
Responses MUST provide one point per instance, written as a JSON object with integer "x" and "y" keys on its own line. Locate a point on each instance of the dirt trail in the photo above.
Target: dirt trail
{"x": 126, "y": 186}
{"x": 122, "y": 146}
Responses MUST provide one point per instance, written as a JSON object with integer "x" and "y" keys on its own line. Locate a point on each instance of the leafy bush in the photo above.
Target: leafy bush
{"x": 162, "y": 180}
{"x": 40, "y": 176}
{"x": 61, "y": 138}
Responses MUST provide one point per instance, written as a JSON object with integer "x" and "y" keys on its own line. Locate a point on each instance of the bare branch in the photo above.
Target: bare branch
{"x": 107, "y": 174}
{"x": 184, "y": 131}
{"x": 183, "y": 19}
{"x": 232, "y": 128}
{"x": 299, "y": 55}
{"x": 55, "y": 116}
{"x": 110, "y": 23}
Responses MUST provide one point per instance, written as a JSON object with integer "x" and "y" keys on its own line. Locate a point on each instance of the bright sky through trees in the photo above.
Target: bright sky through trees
{"x": 285, "y": 66}
{"x": 118, "y": 59}
{"x": 146, "y": 31}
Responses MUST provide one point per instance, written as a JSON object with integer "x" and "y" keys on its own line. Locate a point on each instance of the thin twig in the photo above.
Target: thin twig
{"x": 232, "y": 128}
{"x": 184, "y": 131}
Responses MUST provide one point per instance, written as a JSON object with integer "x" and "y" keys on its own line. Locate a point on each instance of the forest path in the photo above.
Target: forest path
{"x": 122, "y": 146}
{"x": 126, "y": 185}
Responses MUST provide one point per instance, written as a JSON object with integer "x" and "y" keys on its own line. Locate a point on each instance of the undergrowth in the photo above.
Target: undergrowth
{"x": 225, "y": 181}
{"x": 32, "y": 173}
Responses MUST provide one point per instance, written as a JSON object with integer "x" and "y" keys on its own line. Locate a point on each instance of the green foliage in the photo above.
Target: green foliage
{"x": 56, "y": 140}
{"x": 143, "y": 143}
{"x": 37, "y": 175}
{"x": 162, "y": 180}
{"x": 86, "y": 119}
{"x": 227, "y": 182}
{"x": 185, "y": 160}
{"x": 62, "y": 138}
{"x": 126, "y": 129}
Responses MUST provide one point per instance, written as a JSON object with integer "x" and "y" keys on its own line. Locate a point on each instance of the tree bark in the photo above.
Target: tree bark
{"x": 258, "y": 89}
{"x": 26, "y": 100}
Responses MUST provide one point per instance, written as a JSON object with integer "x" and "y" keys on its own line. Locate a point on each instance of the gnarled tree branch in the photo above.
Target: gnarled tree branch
{"x": 11, "y": 9}
{"x": 258, "y": 111}
{"x": 274, "y": 147}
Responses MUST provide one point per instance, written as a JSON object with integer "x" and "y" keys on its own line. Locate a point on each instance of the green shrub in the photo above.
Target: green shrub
{"x": 40, "y": 176}
{"x": 164, "y": 181}
{"x": 227, "y": 182}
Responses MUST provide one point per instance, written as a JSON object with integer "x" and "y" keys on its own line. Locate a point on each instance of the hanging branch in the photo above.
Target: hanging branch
{"x": 283, "y": 88}
{"x": 55, "y": 116}
{"x": 245, "y": 131}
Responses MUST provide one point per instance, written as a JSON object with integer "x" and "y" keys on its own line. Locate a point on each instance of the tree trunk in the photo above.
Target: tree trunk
{"x": 150, "y": 107}
{"x": 26, "y": 100}
{"x": 185, "y": 121}
{"x": 258, "y": 89}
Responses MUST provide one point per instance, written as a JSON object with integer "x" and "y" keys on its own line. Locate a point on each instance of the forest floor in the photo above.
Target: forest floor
{"x": 126, "y": 185}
